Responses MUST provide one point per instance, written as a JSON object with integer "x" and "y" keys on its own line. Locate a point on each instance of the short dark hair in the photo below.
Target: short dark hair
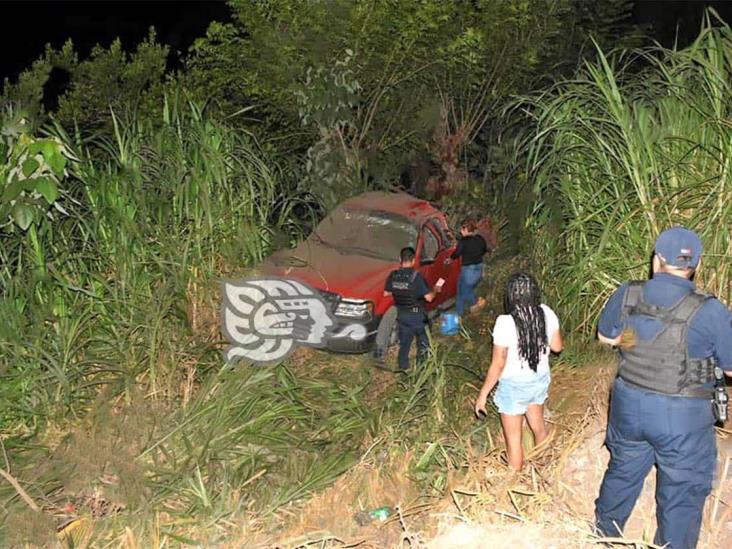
{"x": 407, "y": 254}
{"x": 688, "y": 272}
{"x": 469, "y": 225}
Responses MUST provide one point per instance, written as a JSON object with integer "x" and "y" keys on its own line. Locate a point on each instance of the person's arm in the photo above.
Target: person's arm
{"x": 458, "y": 250}
{"x": 718, "y": 320}
{"x": 423, "y": 290}
{"x": 556, "y": 344}
{"x": 387, "y": 286}
{"x": 610, "y": 326}
{"x": 498, "y": 363}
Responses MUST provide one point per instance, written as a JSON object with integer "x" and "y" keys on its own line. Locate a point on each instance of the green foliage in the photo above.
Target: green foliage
{"x": 129, "y": 84}
{"x": 327, "y": 101}
{"x": 83, "y": 286}
{"x": 31, "y": 173}
{"x": 111, "y": 78}
{"x": 608, "y": 23}
{"x": 398, "y": 76}
{"x": 618, "y": 157}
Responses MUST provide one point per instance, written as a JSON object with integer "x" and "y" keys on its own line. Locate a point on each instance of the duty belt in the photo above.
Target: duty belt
{"x": 688, "y": 392}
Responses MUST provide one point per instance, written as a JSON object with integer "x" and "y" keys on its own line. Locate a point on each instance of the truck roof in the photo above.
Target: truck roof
{"x": 398, "y": 203}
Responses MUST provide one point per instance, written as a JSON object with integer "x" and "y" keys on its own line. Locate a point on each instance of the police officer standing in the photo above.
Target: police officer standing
{"x": 670, "y": 337}
{"x": 410, "y": 292}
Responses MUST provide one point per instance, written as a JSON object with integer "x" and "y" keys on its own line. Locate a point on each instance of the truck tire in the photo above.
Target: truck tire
{"x": 386, "y": 333}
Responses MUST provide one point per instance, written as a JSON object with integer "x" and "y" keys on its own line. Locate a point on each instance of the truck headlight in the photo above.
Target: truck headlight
{"x": 351, "y": 308}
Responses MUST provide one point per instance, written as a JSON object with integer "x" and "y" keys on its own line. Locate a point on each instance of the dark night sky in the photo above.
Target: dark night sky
{"x": 178, "y": 23}
{"x": 87, "y": 23}
{"x": 666, "y": 15}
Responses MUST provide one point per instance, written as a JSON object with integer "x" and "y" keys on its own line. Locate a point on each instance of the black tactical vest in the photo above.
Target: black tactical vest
{"x": 662, "y": 364}
{"x": 402, "y": 284}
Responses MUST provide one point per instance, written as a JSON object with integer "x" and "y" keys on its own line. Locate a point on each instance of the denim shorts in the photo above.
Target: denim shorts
{"x": 513, "y": 396}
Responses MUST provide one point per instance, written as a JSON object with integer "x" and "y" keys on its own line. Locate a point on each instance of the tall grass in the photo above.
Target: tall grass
{"x": 118, "y": 297}
{"x": 618, "y": 156}
{"x": 104, "y": 290}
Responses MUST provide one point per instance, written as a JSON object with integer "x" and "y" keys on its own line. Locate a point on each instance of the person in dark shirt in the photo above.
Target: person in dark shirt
{"x": 411, "y": 293}
{"x": 471, "y": 248}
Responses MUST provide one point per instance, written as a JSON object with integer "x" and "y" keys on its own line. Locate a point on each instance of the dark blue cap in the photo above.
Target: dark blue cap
{"x": 679, "y": 247}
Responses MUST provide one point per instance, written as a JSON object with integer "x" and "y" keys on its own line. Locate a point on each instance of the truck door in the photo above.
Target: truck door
{"x": 434, "y": 260}
{"x": 450, "y": 269}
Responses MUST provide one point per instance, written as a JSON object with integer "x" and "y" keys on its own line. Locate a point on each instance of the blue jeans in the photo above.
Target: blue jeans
{"x": 411, "y": 326}
{"x": 677, "y": 435}
{"x": 470, "y": 276}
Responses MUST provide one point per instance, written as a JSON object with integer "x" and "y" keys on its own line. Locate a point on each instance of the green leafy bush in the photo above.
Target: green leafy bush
{"x": 31, "y": 173}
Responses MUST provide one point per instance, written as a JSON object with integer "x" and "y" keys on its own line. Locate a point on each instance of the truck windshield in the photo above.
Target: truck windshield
{"x": 372, "y": 233}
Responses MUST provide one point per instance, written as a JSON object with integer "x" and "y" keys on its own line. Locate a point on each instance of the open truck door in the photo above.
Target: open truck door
{"x": 433, "y": 255}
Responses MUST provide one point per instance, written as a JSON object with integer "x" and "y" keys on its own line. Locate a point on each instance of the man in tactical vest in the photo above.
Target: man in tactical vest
{"x": 671, "y": 338}
{"x": 410, "y": 292}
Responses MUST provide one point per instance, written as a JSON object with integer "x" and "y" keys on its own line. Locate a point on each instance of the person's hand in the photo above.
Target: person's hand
{"x": 480, "y": 403}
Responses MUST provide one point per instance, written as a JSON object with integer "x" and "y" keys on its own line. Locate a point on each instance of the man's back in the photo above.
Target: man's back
{"x": 408, "y": 287}
{"x": 710, "y": 331}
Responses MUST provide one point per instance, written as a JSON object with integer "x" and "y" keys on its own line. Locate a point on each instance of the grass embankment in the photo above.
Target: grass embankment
{"x": 250, "y": 440}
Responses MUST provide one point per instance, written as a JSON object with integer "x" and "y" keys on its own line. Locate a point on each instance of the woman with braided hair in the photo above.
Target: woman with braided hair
{"x": 522, "y": 340}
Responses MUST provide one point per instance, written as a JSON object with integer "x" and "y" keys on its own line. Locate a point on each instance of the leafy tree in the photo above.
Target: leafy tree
{"x": 31, "y": 171}
{"x": 112, "y": 78}
{"x": 421, "y": 72}
{"x": 109, "y": 80}
{"x": 425, "y": 75}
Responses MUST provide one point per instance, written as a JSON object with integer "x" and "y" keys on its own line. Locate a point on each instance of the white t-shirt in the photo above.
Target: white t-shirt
{"x": 505, "y": 335}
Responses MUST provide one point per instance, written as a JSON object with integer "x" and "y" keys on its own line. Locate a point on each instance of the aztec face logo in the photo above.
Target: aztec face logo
{"x": 265, "y": 319}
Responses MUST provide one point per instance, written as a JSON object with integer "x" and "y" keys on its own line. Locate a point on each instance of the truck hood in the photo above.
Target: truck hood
{"x": 332, "y": 269}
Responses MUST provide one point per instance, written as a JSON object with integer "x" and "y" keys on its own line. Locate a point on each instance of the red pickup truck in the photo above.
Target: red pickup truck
{"x": 351, "y": 252}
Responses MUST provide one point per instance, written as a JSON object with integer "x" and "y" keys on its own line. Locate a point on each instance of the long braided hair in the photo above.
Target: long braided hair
{"x": 523, "y": 303}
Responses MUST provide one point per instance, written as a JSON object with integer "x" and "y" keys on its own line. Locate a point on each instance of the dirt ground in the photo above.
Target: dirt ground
{"x": 550, "y": 505}
{"x": 564, "y": 520}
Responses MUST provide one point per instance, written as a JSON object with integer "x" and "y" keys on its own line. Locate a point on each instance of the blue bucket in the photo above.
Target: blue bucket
{"x": 449, "y": 324}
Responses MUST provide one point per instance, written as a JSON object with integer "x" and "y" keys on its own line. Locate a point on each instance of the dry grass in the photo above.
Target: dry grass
{"x": 380, "y": 479}
{"x": 551, "y": 504}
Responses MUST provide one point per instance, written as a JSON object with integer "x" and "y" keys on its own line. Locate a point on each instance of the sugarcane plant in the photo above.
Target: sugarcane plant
{"x": 616, "y": 156}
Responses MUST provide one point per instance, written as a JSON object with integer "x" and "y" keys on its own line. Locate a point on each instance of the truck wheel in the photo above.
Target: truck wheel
{"x": 386, "y": 333}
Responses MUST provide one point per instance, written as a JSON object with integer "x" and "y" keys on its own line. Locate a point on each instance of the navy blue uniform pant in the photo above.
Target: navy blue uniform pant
{"x": 412, "y": 325}
{"x": 677, "y": 435}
